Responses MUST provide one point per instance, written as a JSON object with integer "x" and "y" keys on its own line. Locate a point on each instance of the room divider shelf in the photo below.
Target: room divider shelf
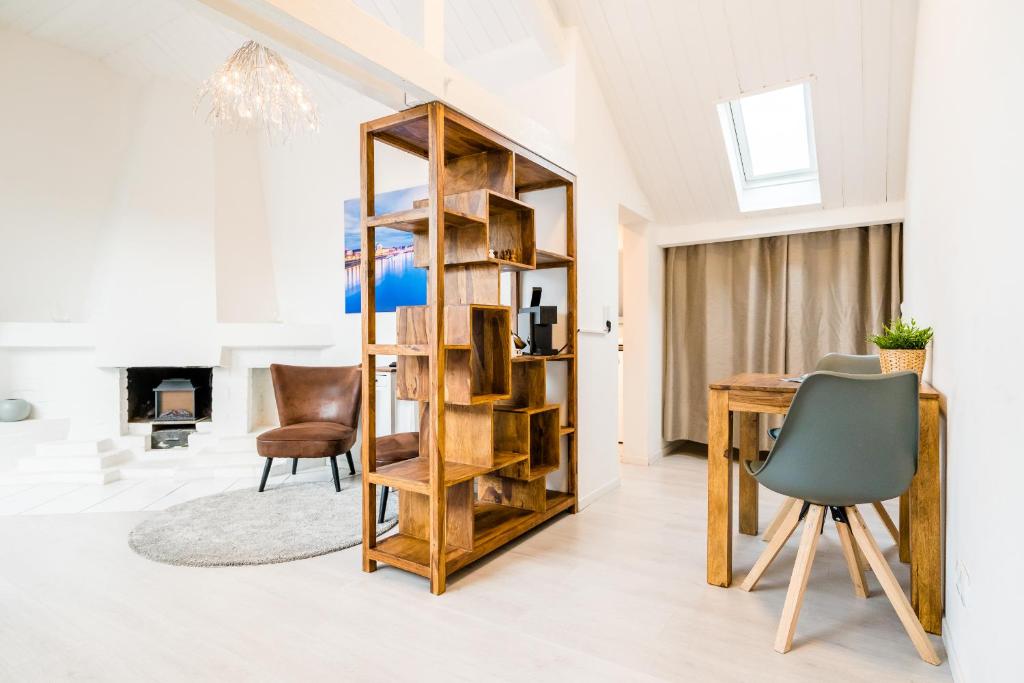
{"x": 493, "y": 439}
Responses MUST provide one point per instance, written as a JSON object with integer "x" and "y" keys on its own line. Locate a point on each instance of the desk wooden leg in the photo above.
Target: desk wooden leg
{"x": 904, "y": 543}
{"x": 719, "y": 489}
{"x": 925, "y": 524}
{"x": 749, "y": 426}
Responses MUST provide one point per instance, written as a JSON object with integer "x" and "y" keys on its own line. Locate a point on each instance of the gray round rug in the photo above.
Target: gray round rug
{"x": 284, "y": 523}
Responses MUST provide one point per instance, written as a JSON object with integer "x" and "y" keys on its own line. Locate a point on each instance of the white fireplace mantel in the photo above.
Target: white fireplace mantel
{"x": 138, "y": 351}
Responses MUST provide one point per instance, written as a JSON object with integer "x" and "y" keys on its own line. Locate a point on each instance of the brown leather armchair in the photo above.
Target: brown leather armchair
{"x": 402, "y": 446}
{"x": 318, "y": 408}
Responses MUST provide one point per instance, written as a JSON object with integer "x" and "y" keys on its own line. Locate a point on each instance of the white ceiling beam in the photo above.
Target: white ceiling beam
{"x": 382, "y": 63}
{"x": 542, "y": 20}
{"x": 259, "y": 20}
{"x": 778, "y": 223}
{"x": 426, "y": 25}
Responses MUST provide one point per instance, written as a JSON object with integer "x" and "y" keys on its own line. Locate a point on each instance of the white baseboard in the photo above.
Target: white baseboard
{"x": 594, "y": 495}
{"x": 954, "y": 662}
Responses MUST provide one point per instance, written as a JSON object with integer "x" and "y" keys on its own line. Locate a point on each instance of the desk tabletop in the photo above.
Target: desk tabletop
{"x": 774, "y": 382}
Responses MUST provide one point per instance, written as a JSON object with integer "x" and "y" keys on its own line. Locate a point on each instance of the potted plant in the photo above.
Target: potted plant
{"x": 902, "y": 346}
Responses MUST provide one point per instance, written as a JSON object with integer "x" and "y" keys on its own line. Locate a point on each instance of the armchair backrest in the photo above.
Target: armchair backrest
{"x": 317, "y": 394}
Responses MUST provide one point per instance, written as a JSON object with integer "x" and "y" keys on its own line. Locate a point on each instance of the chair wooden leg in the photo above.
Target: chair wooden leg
{"x": 798, "y": 584}
{"x": 334, "y": 471}
{"x": 780, "y": 516}
{"x": 266, "y": 473}
{"x": 864, "y": 566}
{"x": 785, "y": 529}
{"x": 295, "y": 465}
{"x": 860, "y": 588}
{"x": 892, "y": 588}
{"x": 351, "y": 465}
{"x": 383, "y": 504}
{"x": 887, "y": 520}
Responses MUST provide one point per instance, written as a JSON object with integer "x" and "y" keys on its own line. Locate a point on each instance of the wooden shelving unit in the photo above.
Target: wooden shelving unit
{"x": 493, "y": 438}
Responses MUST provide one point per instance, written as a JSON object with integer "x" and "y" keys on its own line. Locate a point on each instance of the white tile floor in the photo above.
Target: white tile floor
{"x": 128, "y": 495}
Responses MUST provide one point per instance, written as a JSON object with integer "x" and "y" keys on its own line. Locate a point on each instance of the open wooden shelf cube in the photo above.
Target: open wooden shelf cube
{"x": 488, "y": 222}
{"x": 529, "y": 494}
{"x": 528, "y": 430}
{"x": 529, "y": 384}
{"x": 479, "y": 354}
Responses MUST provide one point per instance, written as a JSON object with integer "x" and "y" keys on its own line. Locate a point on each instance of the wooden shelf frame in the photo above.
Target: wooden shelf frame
{"x": 450, "y": 530}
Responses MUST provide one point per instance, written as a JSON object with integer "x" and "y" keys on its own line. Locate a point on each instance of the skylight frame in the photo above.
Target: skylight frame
{"x": 742, "y": 148}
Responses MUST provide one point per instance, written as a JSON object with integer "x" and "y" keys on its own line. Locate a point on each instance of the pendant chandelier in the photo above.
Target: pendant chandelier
{"x": 256, "y": 89}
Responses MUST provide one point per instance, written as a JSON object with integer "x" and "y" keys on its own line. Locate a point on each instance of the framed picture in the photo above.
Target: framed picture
{"x": 399, "y": 283}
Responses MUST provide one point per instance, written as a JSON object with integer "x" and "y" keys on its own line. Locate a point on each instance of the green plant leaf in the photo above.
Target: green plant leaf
{"x": 902, "y": 335}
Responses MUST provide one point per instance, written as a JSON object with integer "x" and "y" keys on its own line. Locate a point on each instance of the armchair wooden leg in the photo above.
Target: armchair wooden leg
{"x": 383, "y": 504}
{"x": 887, "y": 520}
{"x": 295, "y": 465}
{"x": 860, "y": 588}
{"x": 892, "y": 588}
{"x": 266, "y": 473}
{"x": 784, "y": 530}
{"x": 334, "y": 471}
{"x": 798, "y": 583}
{"x": 780, "y": 516}
{"x": 351, "y": 465}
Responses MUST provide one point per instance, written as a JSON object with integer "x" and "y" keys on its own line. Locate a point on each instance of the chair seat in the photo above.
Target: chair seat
{"x": 397, "y": 447}
{"x": 306, "y": 440}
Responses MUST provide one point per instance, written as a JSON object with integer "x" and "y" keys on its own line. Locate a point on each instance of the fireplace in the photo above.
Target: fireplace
{"x": 171, "y": 400}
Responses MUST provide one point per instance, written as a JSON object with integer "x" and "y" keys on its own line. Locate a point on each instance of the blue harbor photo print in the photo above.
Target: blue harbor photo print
{"x": 398, "y": 282}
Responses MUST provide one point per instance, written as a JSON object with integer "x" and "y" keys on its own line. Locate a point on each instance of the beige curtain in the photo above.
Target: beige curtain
{"x": 775, "y": 304}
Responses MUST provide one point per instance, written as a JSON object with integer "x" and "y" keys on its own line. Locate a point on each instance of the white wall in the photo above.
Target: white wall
{"x": 962, "y": 247}
{"x": 643, "y": 309}
{"x": 605, "y": 182}
{"x": 61, "y": 149}
{"x": 156, "y": 290}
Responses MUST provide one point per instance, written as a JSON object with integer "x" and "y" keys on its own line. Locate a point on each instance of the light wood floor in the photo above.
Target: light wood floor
{"x": 616, "y": 593}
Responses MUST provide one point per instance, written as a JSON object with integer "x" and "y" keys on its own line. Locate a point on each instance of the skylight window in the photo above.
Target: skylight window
{"x": 770, "y": 140}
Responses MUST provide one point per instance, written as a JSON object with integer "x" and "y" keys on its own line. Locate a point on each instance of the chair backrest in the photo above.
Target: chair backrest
{"x": 848, "y": 439}
{"x": 850, "y": 364}
{"x": 317, "y": 394}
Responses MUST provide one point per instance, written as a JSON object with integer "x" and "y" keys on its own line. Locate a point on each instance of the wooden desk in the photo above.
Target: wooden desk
{"x": 753, "y": 393}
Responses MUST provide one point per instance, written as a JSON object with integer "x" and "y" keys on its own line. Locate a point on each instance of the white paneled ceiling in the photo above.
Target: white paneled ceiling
{"x": 145, "y": 39}
{"x": 664, "y": 64}
{"x": 471, "y": 27}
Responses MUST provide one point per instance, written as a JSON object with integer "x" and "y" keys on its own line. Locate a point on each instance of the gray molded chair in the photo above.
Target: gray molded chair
{"x": 851, "y": 364}
{"x": 848, "y": 440}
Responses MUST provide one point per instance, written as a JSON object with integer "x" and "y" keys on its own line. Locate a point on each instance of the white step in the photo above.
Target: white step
{"x": 73, "y": 448}
{"x": 138, "y": 444}
{"x": 74, "y": 463}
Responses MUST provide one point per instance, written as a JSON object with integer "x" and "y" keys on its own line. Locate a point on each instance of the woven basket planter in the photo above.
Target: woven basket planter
{"x": 899, "y": 360}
